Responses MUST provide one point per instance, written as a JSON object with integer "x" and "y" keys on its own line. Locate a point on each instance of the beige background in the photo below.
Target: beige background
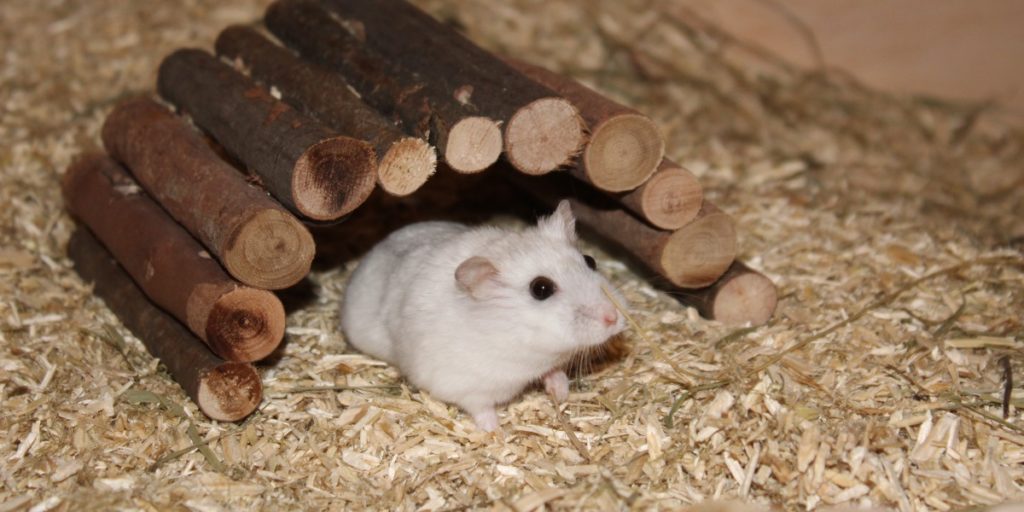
{"x": 952, "y": 48}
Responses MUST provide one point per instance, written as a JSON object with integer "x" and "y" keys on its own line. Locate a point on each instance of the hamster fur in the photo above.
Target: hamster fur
{"x": 454, "y": 308}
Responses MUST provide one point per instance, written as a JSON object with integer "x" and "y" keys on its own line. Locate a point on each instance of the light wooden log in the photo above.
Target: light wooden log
{"x": 741, "y": 296}
{"x": 670, "y": 199}
{"x": 625, "y": 146}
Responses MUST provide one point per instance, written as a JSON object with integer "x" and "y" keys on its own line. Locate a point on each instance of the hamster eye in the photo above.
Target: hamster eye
{"x": 541, "y": 288}
{"x": 591, "y": 262}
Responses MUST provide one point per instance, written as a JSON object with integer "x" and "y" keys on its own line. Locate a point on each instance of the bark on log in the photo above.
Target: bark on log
{"x": 691, "y": 257}
{"x": 543, "y": 131}
{"x": 625, "y": 146}
{"x": 308, "y": 167}
{"x": 404, "y": 162}
{"x": 740, "y": 296}
{"x": 670, "y": 199}
{"x": 237, "y": 322}
{"x": 258, "y": 242}
{"x": 467, "y": 141}
{"x": 223, "y": 390}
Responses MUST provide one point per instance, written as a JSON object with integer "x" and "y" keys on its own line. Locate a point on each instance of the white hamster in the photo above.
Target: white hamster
{"x": 474, "y": 315}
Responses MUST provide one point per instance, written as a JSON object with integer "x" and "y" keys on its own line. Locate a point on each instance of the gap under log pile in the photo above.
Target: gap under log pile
{"x": 343, "y": 97}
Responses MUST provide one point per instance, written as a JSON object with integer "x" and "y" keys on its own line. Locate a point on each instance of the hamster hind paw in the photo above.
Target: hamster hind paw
{"x": 556, "y": 383}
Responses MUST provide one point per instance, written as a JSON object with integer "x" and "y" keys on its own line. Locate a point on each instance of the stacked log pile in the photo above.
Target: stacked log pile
{"x": 352, "y": 95}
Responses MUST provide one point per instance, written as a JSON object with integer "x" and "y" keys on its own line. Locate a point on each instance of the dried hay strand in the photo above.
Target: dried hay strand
{"x": 888, "y": 223}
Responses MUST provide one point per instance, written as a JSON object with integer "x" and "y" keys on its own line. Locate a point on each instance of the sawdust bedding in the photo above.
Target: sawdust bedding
{"x": 891, "y": 225}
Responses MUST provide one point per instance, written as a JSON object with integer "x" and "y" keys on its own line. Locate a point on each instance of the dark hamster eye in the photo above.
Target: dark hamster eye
{"x": 541, "y": 288}
{"x": 591, "y": 262}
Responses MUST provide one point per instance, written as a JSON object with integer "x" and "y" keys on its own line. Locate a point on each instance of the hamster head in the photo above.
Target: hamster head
{"x": 538, "y": 283}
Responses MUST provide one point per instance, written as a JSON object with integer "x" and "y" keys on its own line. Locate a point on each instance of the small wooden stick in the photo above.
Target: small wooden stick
{"x": 405, "y": 162}
{"x": 258, "y": 242}
{"x": 237, "y": 322}
{"x": 308, "y": 167}
{"x": 625, "y": 146}
{"x": 670, "y": 199}
{"x": 740, "y": 296}
{"x": 543, "y": 131}
{"x": 691, "y": 257}
{"x": 468, "y": 142}
{"x": 223, "y": 390}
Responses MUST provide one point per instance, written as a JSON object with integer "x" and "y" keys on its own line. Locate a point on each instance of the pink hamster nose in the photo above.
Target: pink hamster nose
{"x": 610, "y": 316}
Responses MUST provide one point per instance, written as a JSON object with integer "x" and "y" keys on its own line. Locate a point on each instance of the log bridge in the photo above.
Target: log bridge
{"x": 325, "y": 102}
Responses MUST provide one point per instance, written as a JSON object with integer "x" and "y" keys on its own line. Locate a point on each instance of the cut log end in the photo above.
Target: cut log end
{"x": 272, "y": 250}
{"x": 230, "y": 391}
{"x": 747, "y": 298}
{"x": 699, "y": 253}
{"x": 623, "y": 152}
{"x": 333, "y": 177}
{"x": 406, "y": 166}
{"x": 473, "y": 144}
{"x": 544, "y": 135}
{"x": 245, "y": 324}
{"x": 672, "y": 198}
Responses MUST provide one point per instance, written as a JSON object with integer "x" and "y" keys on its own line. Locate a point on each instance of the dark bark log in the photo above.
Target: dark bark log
{"x": 223, "y": 390}
{"x": 543, "y": 132}
{"x": 404, "y": 162}
{"x": 237, "y": 322}
{"x": 304, "y": 164}
{"x": 467, "y": 141}
{"x": 259, "y": 242}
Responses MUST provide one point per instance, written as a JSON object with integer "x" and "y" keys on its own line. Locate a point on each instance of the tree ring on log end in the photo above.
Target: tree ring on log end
{"x": 230, "y": 391}
{"x": 333, "y": 177}
{"x": 406, "y": 165}
{"x": 623, "y": 152}
{"x": 473, "y": 144}
{"x": 245, "y": 324}
{"x": 699, "y": 253}
{"x": 750, "y": 297}
{"x": 272, "y": 250}
{"x": 674, "y": 197}
{"x": 544, "y": 135}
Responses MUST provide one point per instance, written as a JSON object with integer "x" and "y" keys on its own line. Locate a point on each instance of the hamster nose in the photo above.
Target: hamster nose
{"x": 610, "y": 317}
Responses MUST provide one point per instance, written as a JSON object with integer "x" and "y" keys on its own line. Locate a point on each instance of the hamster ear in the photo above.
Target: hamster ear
{"x": 476, "y": 276}
{"x": 561, "y": 224}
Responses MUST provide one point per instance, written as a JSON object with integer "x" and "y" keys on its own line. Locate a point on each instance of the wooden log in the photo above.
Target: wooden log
{"x": 404, "y": 162}
{"x": 258, "y": 242}
{"x": 669, "y": 199}
{"x": 693, "y": 256}
{"x": 625, "y": 146}
{"x": 468, "y": 142}
{"x": 237, "y": 322}
{"x": 741, "y": 296}
{"x": 543, "y": 131}
{"x": 304, "y": 164}
{"x": 223, "y": 390}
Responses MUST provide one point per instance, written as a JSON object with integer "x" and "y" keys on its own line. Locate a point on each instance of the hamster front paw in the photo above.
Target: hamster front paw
{"x": 556, "y": 383}
{"x": 486, "y": 420}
